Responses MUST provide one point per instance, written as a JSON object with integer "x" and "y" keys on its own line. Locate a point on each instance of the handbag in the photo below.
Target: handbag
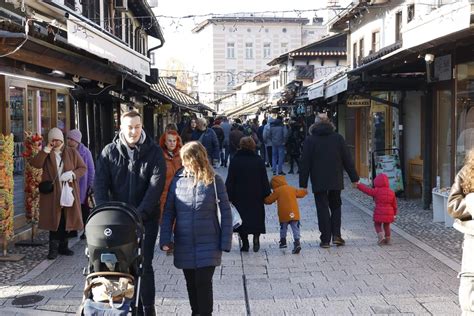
{"x": 47, "y": 186}
{"x": 236, "y": 219}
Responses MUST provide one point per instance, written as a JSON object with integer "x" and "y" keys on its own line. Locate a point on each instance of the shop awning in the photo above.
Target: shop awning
{"x": 335, "y": 87}
{"x": 316, "y": 89}
{"x": 178, "y": 98}
{"x": 246, "y": 109}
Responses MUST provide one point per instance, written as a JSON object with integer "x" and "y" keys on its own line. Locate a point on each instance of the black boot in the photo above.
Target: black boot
{"x": 64, "y": 249}
{"x": 53, "y": 249}
{"x": 291, "y": 171}
{"x": 296, "y": 247}
{"x": 256, "y": 242}
{"x": 245, "y": 242}
{"x": 283, "y": 243}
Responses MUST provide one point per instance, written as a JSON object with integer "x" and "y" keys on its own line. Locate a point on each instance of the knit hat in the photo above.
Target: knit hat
{"x": 55, "y": 133}
{"x": 75, "y": 135}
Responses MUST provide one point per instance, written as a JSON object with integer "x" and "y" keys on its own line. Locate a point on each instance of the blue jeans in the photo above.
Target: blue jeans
{"x": 295, "y": 228}
{"x": 147, "y": 289}
{"x": 278, "y": 155}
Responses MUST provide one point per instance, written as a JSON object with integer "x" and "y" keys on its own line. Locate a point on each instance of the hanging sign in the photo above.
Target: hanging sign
{"x": 442, "y": 68}
{"x": 355, "y": 101}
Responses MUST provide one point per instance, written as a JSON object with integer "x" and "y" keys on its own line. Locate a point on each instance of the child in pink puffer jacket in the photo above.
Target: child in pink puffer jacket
{"x": 385, "y": 210}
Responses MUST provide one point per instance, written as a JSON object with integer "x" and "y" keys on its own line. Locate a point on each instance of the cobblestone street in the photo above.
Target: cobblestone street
{"x": 360, "y": 278}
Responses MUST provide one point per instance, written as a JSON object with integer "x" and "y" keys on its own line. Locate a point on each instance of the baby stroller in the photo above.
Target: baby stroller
{"x": 114, "y": 233}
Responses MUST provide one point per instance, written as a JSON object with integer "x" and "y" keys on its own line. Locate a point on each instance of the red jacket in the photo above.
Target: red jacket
{"x": 384, "y": 198}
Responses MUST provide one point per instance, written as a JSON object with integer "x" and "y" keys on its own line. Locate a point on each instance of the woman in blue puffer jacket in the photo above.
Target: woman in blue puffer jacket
{"x": 199, "y": 238}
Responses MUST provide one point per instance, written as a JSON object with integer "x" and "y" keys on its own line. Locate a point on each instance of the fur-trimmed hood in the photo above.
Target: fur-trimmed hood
{"x": 323, "y": 127}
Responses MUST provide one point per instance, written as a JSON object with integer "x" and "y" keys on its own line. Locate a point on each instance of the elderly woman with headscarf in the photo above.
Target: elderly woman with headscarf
{"x": 63, "y": 166}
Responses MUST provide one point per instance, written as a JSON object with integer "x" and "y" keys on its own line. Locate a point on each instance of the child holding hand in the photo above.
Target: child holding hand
{"x": 288, "y": 211}
{"x": 385, "y": 206}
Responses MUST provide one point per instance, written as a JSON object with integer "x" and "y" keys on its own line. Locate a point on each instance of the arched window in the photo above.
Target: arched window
{"x": 138, "y": 41}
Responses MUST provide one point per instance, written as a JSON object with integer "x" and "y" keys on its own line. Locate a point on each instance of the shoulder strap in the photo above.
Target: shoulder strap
{"x": 217, "y": 202}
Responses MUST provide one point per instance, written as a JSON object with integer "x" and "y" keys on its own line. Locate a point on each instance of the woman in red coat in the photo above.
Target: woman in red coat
{"x": 170, "y": 143}
{"x": 385, "y": 210}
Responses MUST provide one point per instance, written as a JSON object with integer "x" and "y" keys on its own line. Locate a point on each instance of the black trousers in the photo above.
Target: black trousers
{"x": 328, "y": 206}
{"x": 270, "y": 154}
{"x": 61, "y": 234}
{"x": 293, "y": 160}
{"x": 85, "y": 210}
{"x": 199, "y": 285}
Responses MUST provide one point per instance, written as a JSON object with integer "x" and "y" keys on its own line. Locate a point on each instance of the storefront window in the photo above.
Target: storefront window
{"x": 464, "y": 112}
{"x": 444, "y": 137}
{"x": 62, "y": 112}
{"x": 17, "y": 119}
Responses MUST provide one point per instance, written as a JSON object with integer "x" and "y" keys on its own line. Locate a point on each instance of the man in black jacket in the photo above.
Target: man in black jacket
{"x": 325, "y": 156}
{"x": 132, "y": 169}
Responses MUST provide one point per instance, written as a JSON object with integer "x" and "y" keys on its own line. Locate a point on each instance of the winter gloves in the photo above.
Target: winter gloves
{"x": 67, "y": 176}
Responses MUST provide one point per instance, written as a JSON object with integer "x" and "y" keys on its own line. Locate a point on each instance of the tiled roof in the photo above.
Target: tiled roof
{"x": 177, "y": 97}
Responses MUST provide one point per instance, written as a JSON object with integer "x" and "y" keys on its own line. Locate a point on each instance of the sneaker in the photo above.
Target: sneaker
{"x": 380, "y": 239}
{"x": 387, "y": 241}
{"x": 290, "y": 172}
{"x": 274, "y": 173}
{"x": 283, "y": 243}
{"x": 324, "y": 245}
{"x": 338, "y": 241}
{"x": 296, "y": 248}
{"x": 281, "y": 173}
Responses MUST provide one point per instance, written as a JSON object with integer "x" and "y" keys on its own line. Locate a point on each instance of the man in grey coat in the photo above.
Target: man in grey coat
{"x": 277, "y": 135}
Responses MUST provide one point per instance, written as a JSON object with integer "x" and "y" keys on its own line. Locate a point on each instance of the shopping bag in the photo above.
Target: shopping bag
{"x": 236, "y": 219}
{"x": 67, "y": 197}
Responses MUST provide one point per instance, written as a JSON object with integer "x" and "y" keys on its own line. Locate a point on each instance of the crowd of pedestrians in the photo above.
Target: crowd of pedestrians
{"x": 176, "y": 191}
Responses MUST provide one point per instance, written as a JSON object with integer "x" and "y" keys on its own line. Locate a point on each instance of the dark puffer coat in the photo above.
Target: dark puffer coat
{"x": 209, "y": 140}
{"x": 325, "y": 157}
{"x": 384, "y": 198}
{"x": 139, "y": 182}
{"x": 198, "y": 239}
{"x": 247, "y": 186}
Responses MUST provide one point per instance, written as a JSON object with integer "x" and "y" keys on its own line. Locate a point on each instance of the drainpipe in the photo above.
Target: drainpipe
{"x": 162, "y": 42}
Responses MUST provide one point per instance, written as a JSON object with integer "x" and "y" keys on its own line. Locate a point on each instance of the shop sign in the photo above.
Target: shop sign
{"x": 357, "y": 102}
{"x": 442, "y": 68}
{"x": 117, "y": 95}
{"x": 338, "y": 86}
{"x": 377, "y": 106}
{"x": 316, "y": 91}
{"x": 88, "y": 38}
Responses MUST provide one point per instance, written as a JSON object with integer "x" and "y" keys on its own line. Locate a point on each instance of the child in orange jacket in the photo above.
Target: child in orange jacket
{"x": 288, "y": 211}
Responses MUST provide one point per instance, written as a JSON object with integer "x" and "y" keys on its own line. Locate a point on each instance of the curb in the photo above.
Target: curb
{"x": 28, "y": 312}
{"x": 454, "y": 265}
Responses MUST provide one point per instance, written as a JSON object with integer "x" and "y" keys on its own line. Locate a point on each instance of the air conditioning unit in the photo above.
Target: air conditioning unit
{"x": 121, "y": 5}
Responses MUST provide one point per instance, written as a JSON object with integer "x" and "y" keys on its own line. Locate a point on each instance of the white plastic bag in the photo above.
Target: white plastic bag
{"x": 67, "y": 198}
